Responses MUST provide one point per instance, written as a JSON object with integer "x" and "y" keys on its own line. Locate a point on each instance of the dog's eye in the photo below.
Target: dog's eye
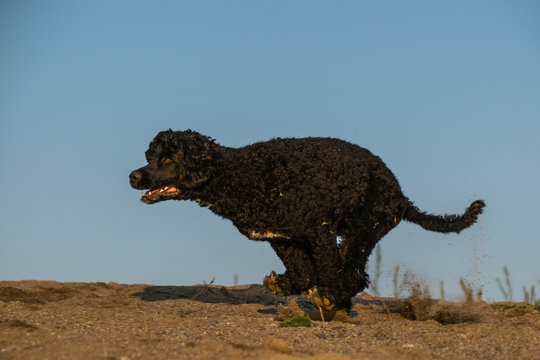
{"x": 166, "y": 161}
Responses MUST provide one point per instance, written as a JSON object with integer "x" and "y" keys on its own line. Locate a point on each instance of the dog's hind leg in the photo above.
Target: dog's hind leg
{"x": 300, "y": 273}
{"x": 360, "y": 234}
{"x": 355, "y": 252}
{"x": 329, "y": 291}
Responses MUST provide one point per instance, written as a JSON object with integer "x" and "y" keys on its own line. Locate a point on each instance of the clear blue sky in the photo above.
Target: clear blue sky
{"x": 447, "y": 93}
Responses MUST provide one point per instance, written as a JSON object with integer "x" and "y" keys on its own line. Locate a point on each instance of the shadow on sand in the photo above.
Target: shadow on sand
{"x": 244, "y": 294}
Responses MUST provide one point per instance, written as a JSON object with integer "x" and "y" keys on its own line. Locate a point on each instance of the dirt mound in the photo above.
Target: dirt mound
{"x": 50, "y": 320}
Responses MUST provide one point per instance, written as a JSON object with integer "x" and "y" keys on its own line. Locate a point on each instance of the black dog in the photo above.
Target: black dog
{"x": 297, "y": 194}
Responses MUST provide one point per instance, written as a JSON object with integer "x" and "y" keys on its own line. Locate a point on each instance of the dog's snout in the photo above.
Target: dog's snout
{"x": 135, "y": 178}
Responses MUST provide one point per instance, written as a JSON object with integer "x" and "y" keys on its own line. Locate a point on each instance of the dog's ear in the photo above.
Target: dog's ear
{"x": 199, "y": 156}
{"x": 160, "y": 145}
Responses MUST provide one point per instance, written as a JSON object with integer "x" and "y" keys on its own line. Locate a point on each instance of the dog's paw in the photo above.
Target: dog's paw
{"x": 324, "y": 302}
{"x": 271, "y": 284}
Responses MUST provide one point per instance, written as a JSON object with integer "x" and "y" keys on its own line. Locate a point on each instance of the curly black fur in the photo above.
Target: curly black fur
{"x": 298, "y": 194}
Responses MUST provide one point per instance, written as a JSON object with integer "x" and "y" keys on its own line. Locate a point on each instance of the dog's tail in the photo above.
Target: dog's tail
{"x": 445, "y": 223}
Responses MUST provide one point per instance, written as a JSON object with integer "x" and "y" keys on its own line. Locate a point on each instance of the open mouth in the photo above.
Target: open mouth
{"x": 159, "y": 194}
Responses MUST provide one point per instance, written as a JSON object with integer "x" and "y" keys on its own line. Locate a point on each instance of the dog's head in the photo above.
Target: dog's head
{"x": 177, "y": 161}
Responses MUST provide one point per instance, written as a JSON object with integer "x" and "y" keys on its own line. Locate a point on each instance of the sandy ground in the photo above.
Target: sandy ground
{"x": 51, "y": 320}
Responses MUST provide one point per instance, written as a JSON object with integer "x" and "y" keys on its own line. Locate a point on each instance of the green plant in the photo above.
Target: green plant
{"x": 296, "y": 321}
{"x": 507, "y": 292}
{"x": 502, "y": 307}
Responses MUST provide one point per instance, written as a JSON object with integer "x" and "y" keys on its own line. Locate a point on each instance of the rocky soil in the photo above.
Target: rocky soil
{"x": 51, "y": 320}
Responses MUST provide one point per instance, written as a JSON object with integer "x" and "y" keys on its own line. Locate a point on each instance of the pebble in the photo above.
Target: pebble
{"x": 181, "y": 335}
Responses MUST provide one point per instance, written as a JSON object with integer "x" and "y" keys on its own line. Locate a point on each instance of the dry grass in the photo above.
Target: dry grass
{"x": 374, "y": 284}
{"x": 505, "y": 290}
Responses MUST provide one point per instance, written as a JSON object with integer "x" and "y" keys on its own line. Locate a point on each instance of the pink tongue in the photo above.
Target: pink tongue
{"x": 172, "y": 189}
